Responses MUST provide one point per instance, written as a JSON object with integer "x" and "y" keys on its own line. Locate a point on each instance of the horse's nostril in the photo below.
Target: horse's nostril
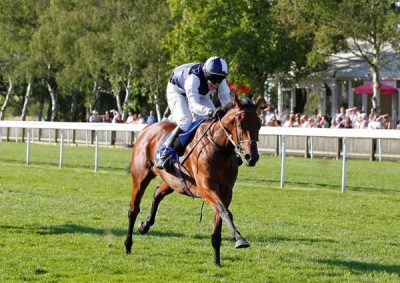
{"x": 247, "y": 157}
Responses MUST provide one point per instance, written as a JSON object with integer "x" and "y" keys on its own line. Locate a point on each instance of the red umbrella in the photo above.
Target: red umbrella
{"x": 368, "y": 89}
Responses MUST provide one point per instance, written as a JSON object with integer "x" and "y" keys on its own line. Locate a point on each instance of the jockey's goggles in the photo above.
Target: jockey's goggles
{"x": 215, "y": 79}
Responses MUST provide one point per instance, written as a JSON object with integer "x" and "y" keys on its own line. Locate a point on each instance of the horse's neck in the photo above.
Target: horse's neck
{"x": 219, "y": 134}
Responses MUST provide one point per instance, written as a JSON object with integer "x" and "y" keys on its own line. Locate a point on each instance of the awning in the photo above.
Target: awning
{"x": 368, "y": 89}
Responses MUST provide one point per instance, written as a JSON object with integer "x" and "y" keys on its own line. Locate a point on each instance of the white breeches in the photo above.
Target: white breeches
{"x": 179, "y": 106}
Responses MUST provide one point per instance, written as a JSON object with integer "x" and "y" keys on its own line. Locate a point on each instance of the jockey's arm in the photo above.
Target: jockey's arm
{"x": 224, "y": 93}
{"x": 192, "y": 93}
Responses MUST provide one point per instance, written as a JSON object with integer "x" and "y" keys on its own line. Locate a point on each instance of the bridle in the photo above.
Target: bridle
{"x": 237, "y": 145}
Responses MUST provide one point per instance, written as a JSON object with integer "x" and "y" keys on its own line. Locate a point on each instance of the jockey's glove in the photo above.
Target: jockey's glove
{"x": 219, "y": 112}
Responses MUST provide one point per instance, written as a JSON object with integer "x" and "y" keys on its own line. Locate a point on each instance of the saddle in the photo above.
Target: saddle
{"x": 180, "y": 143}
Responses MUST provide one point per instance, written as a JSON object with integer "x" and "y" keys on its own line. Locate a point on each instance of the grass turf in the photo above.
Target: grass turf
{"x": 69, "y": 224}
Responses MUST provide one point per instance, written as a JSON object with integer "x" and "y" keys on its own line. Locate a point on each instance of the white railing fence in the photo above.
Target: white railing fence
{"x": 282, "y": 133}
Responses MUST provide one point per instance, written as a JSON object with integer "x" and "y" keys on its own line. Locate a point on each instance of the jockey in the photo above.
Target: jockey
{"x": 188, "y": 97}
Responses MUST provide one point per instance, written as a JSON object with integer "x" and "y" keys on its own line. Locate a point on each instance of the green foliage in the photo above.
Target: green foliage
{"x": 69, "y": 224}
{"x": 241, "y": 31}
{"x": 312, "y": 103}
{"x": 334, "y": 25}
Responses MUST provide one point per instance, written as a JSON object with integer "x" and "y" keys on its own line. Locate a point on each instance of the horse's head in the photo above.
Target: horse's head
{"x": 245, "y": 127}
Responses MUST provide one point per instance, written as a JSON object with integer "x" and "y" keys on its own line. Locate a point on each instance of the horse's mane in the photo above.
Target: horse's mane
{"x": 246, "y": 102}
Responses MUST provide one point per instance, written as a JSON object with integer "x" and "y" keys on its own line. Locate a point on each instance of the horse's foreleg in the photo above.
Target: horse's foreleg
{"x": 240, "y": 241}
{"x": 159, "y": 194}
{"x": 132, "y": 214}
{"x": 216, "y": 239}
{"x": 227, "y": 217}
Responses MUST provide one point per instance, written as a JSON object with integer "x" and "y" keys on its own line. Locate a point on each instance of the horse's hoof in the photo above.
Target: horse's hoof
{"x": 128, "y": 246}
{"x": 142, "y": 229}
{"x": 242, "y": 243}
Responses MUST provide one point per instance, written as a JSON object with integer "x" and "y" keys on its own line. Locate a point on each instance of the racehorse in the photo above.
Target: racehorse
{"x": 208, "y": 169}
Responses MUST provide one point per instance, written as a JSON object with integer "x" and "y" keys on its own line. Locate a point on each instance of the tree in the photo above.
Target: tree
{"x": 18, "y": 21}
{"x": 243, "y": 32}
{"x": 365, "y": 28}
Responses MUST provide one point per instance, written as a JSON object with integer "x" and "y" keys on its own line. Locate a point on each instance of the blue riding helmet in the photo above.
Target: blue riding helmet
{"x": 215, "y": 69}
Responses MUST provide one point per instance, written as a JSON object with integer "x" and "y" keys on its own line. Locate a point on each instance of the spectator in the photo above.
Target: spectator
{"x": 269, "y": 115}
{"x": 140, "y": 119}
{"x": 374, "y": 123}
{"x": 324, "y": 122}
{"x": 305, "y": 122}
{"x": 341, "y": 113}
{"x": 362, "y": 121}
{"x": 385, "y": 122}
{"x": 372, "y": 114}
{"x": 95, "y": 117}
{"x": 339, "y": 122}
{"x": 106, "y": 117}
{"x": 117, "y": 117}
{"x": 131, "y": 118}
{"x": 347, "y": 123}
{"x": 152, "y": 118}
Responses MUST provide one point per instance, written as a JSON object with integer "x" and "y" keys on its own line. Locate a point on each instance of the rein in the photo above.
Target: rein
{"x": 237, "y": 146}
{"x": 191, "y": 150}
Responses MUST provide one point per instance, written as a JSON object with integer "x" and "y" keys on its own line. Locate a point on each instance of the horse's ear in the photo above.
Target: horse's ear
{"x": 237, "y": 100}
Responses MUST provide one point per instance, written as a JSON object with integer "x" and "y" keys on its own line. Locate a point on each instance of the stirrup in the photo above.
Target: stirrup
{"x": 164, "y": 162}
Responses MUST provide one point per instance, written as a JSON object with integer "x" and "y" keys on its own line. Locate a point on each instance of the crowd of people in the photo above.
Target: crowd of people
{"x": 113, "y": 116}
{"x": 343, "y": 118}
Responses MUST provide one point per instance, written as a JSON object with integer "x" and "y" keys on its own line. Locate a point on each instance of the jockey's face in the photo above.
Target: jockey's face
{"x": 212, "y": 86}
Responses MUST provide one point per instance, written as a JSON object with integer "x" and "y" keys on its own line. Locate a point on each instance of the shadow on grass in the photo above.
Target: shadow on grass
{"x": 80, "y": 229}
{"x": 357, "y": 266}
{"x": 63, "y": 229}
{"x": 329, "y": 186}
{"x": 287, "y": 239}
{"x": 55, "y": 164}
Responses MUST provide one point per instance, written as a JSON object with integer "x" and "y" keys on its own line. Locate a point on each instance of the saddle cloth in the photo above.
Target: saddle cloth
{"x": 184, "y": 138}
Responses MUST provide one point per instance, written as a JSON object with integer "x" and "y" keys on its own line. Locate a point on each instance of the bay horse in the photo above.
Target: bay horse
{"x": 209, "y": 168}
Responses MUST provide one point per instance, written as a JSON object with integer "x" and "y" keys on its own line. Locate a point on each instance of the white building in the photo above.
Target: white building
{"x": 336, "y": 85}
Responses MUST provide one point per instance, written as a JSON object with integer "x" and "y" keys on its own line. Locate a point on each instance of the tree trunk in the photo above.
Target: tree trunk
{"x": 26, "y": 101}
{"x": 74, "y": 107}
{"x": 127, "y": 94}
{"x": 126, "y": 100}
{"x": 158, "y": 108}
{"x": 40, "y": 110}
{"x": 6, "y": 100}
{"x": 53, "y": 102}
{"x": 376, "y": 98}
{"x": 93, "y": 101}
{"x": 117, "y": 99}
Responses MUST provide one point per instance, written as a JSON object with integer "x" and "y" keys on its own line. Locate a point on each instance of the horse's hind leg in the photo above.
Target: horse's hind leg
{"x": 216, "y": 239}
{"x": 159, "y": 194}
{"x": 138, "y": 189}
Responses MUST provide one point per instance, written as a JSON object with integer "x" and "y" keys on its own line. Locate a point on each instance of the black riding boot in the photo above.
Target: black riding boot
{"x": 165, "y": 158}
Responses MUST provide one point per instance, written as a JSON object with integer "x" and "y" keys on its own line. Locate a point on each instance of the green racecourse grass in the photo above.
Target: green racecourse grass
{"x": 68, "y": 225}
